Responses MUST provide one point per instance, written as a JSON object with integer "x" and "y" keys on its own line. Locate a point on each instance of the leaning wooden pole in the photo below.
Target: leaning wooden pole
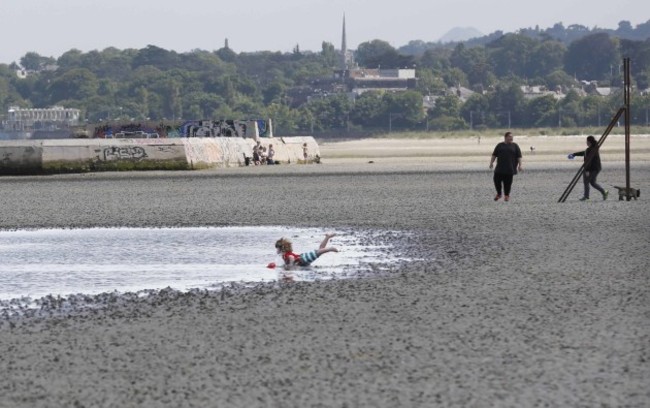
{"x": 626, "y": 96}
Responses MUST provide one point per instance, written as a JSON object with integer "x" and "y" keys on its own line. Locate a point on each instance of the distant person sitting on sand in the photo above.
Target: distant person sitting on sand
{"x": 257, "y": 159}
{"x": 285, "y": 248}
{"x": 262, "y": 151}
{"x": 270, "y": 156}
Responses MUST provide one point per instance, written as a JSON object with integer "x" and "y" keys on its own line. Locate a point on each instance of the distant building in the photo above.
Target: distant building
{"x": 350, "y": 79}
{"x": 462, "y": 93}
{"x": 362, "y": 80}
{"x": 29, "y": 118}
{"x": 537, "y": 91}
{"x": 604, "y": 91}
{"x": 592, "y": 88}
{"x": 347, "y": 56}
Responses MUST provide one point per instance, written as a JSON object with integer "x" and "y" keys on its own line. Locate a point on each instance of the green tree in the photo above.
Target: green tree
{"x": 546, "y": 57}
{"x": 275, "y": 92}
{"x": 507, "y": 104}
{"x": 156, "y": 56}
{"x": 448, "y": 105}
{"x": 380, "y": 54}
{"x": 559, "y": 80}
{"x": 368, "y": 109}
{"x": 435, "y": 59}
{"x": 445, "y": 115}
{"x": 592, "y": 114}
{"x": 476, "y": 110}
{"x": 227, "y": 55}
{"x": 78, "y": 83}
{"x": 542, "y": 111}
{"x": 474, "y": 63}
{"x": 329, "y": 55}
{"x": 455, "y": 77}
{"x": 331, "y": 112}
{"x": 592, "y": 57}
{"x": 511, "y": 55}
{"x": 428, "y": 83}
{"x": 70, "y": 59}
{"x": 639, "y": 54}
{"x": 572, "y": 109}
{"x": 405, "y": 109}
{"x": 285, "y": 119}
{"x": 32, "y": 61}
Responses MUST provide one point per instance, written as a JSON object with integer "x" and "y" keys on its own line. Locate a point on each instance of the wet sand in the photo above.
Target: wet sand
{"x": 526, "y": 303}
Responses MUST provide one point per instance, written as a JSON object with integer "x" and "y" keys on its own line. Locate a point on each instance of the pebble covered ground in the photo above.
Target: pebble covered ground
{"x": 526, "y": 303}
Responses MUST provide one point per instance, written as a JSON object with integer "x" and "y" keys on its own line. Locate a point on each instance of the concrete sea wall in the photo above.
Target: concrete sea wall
{"x": 86, "y": 155}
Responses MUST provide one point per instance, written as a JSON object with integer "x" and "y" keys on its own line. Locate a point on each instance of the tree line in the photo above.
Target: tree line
{"x": 157, "y": 84}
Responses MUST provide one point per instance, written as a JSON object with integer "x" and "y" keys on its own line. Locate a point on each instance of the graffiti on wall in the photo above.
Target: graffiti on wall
{"x": 129, "y": 131}
{"x": 225, "y": 128}
{"x": 190, "y": 128}
{"x": 124, "y": 153}
{"x": 214, "y": 128}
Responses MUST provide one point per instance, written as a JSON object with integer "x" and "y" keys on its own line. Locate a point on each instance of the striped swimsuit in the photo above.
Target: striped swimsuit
{"x": 304, "y": 259}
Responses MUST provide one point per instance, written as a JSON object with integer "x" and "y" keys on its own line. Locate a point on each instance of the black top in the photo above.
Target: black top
{"x": 508, "y": 156}
{"x": 594, "y": 164}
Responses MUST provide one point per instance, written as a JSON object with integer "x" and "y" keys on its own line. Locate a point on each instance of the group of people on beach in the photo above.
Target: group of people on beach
{"x": 507, "y": 155}
{"x": 262, "y": 155}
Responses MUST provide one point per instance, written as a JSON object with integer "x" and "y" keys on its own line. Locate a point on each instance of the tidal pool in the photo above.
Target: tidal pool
{"x": 60, "y": 262}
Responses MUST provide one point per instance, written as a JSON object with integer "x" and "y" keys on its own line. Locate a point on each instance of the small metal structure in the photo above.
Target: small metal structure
{"x": 626, "y": 97}
{"x": 625, "y": 112}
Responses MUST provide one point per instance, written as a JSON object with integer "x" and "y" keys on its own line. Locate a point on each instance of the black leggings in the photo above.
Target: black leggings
{"x": 589, "y": 177}
{"x": 506, "y": 179}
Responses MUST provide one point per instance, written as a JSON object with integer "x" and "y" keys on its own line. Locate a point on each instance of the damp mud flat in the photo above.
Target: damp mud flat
{"x": 526, "y": 303}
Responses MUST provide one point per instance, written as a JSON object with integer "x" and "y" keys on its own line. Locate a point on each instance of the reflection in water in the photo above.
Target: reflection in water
{"x": 35, "y": 263}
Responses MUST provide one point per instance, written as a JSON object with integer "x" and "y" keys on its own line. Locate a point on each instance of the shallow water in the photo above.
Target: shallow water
{"x": 37, "y": 263}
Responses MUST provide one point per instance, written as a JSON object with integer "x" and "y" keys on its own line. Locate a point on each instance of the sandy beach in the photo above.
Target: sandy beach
{"x": 520, "y": 304}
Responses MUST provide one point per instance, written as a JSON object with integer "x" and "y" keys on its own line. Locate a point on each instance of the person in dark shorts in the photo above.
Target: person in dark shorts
{"x": 592, "y": 168}
{"x": 508, "y": 157}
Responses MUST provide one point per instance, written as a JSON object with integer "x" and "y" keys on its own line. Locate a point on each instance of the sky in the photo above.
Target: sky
{"x": 52, "y": 27}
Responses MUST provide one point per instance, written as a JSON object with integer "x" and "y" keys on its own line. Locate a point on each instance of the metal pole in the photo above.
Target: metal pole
{"x": 626, "y": 68}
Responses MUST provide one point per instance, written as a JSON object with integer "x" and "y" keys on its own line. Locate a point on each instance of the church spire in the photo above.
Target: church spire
{"x": 344, "y": 46}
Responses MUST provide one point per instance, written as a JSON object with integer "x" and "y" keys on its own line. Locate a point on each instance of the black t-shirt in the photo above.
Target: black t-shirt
{"x": 508, "y": 156}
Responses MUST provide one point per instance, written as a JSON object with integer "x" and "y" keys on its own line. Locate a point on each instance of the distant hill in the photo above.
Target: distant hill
{"x": 458, "y": 34}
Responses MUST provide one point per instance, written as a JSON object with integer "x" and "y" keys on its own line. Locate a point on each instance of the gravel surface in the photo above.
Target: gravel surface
{"x": 526, "y": 303}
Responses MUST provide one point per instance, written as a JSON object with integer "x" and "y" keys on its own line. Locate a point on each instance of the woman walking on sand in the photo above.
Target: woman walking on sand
{"x": 508, "y": 157}
{"x": 592, "y": 168}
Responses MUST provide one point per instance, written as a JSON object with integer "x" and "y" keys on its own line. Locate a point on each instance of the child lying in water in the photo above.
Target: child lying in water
{"x": 285, "y": 249}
